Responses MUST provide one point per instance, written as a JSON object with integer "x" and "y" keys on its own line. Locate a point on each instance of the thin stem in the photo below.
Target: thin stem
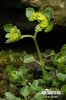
{"x": 26, "y": 36}
{"x": 25, "y": 98}
{"x": 38, "y": 51}
{"x": 42, "y": 62}
{"x": 38, "y": 62}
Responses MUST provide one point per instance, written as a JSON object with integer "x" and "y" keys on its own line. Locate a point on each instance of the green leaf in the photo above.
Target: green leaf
{"x": 8, "y": 27}
{"x": 59, "y": 59}
{"x": 10, "y": 68}
{"x": 53, "y": 59}
{"x": 25, "y": 91}
{"x": 15, "y": 77}
{"x": 23, "y": 72}
{"x": 38, "y": 28}
{"x": 49, "y": 52}
{"x": 41, "y": 81}
{"x": 49, "y": 13}
{"x": 63, "y": 50}
{"x": 39, "y": 96}
{"x": 55, "y": 83}
{"x": 2, "y": 99}
{"x": 49, "y": 67}
{"x": 49, "y": 28}
{"x": 29, "y": 58}
{"x": 29, "y": 13}
{"x": 41, "y": 10}
{"x": 35, "y": 86}
{"x": 10, "y": 96}
{"x": 46, "y": 76}
{"x": 63, "y": 89}
{"x": 61, "y": 76}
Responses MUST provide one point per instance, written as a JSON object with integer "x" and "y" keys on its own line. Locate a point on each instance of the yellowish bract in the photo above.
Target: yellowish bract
{"x": 13, "y": 35}
{"x": 43, "y": 21}
{"x": 44, "y": 24}
{"x": 35, "y": 15}
{"x": 41, "y": 17}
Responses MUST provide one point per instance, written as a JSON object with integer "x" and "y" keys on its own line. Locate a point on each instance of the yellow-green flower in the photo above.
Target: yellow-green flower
{"x": 41, "y": 17}
{"x": 38, "y": 16}
{"x": 44, "y": 24}
{"x": 35, "y": 15}
{"x": 13, "y": 35}
{"x": 43, "y": 21}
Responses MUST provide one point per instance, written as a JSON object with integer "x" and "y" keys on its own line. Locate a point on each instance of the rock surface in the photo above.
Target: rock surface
{"x": 59, "y": 7}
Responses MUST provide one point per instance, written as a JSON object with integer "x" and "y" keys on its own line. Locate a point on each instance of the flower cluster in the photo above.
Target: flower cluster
{"x": 13, "y": 35}
{"x": 41, "y": 18}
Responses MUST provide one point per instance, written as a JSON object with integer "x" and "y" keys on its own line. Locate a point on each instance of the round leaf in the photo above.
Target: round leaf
{"x": 25, "y": 91}
{"x": 29, "y": 58}
{"x": 49, "y": 53}
{"x": 49, "y": 12}
{"x": 49, "y": 28}
{"x": 10, "y": 96}
{"x": 38, "y": 28}
{"x": 61, "y": 76}
{"x": 35, "y": 86}
{"x": 41, "y": 10}
{"x": 29, "y": 13}
{"x": 8, "y": 27}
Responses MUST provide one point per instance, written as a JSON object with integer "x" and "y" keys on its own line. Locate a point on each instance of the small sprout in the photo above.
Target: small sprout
{"x": 15, "y": 76}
